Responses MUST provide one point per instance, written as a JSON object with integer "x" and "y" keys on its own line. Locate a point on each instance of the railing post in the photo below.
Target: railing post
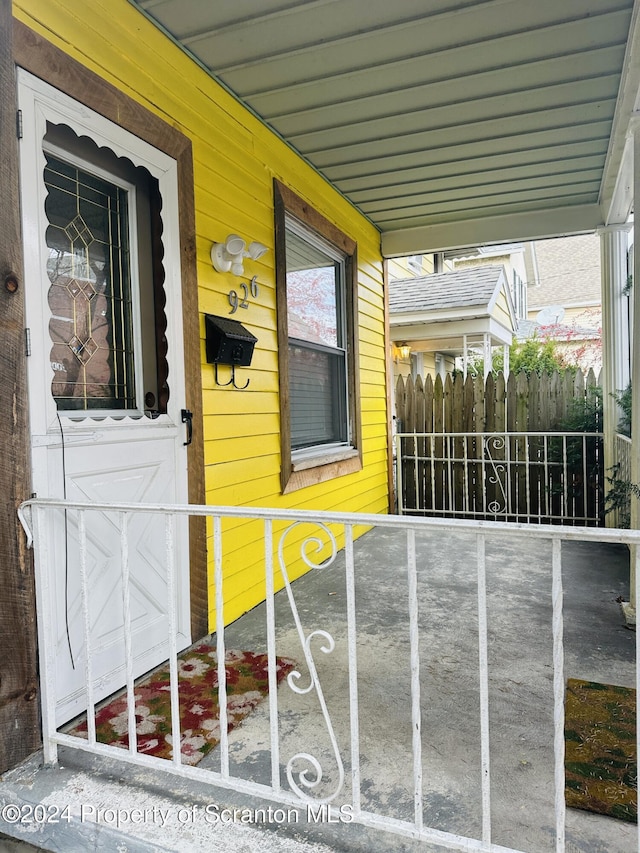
{"x": 399, "y": 484}
{"x": 174, "y": 684}
{"x": 84, "y": 600}
{"x": 558, "y": 691}
{"x": 126, "y": 627}
{"x": 352, "y": 640}
{"x": 271, "y": 654}
{"x": 45, "y": 601}
{"x": 483, "y": 664}
{"x": 416, "y": 717}
{"x": 220, "y": 646}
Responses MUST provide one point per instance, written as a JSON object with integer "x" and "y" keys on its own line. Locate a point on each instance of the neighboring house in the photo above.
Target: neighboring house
{"x": 564, "y": 295}
{"x": 416, "y": 265}
{"x": 555, "y": 288}
{"x": 449, "y": 316}
{"x": 126, "y": 190}
{"x": 411, "y": 265}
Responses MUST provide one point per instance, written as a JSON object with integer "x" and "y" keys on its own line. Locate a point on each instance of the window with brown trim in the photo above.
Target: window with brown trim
{"x": 316, "y": 279}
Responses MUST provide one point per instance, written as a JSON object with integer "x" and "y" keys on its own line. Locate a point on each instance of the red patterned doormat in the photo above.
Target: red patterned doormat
{"x": 600, "y": 749}
{"x": 247, "y": 683}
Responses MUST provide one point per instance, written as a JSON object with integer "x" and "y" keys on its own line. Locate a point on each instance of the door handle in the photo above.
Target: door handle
{"x": 187, "y": 418}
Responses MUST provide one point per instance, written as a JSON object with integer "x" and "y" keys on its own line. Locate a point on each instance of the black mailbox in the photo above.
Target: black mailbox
{"x": 227, "y": 341}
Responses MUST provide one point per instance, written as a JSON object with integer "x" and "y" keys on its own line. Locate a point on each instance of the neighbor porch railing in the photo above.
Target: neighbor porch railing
{"x": 621, "y": 473}
{"x": 533, "y": 477}
{"x": 304, "y": 787}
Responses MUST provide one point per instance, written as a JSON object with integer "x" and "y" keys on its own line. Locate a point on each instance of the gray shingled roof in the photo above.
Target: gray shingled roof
{"x": 464, "y": 288}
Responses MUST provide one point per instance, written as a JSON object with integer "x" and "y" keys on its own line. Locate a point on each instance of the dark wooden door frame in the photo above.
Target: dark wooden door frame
{"x": 19, "y": 708}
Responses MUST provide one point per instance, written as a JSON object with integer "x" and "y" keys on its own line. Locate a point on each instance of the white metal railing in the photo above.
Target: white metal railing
{"x": 623, "y": 455}
{"x": 621, "y": 508}
{"x": 38, "y": 515}
{"x": 539, "y": 477}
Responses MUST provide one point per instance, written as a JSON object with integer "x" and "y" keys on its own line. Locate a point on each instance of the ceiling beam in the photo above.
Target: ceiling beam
{"x": 504, "y": 228}
{"x": 616, "y": 189}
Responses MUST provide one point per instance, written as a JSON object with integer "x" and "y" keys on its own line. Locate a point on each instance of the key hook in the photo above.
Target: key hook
{"x": 232, "y": 380}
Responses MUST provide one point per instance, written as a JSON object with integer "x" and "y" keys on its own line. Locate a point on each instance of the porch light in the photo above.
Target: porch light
{"x": 230, "y": 255}
{"x": 405, "y": 350}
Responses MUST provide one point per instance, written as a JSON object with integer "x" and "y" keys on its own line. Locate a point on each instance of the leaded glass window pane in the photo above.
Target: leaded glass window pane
{"x": 89, "y": 295}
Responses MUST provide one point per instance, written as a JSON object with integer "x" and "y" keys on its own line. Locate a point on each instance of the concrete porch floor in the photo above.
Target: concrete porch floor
{"x": 598, "y": 646}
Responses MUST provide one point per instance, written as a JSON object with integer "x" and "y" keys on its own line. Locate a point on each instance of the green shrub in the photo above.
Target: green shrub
{"x": 531, "y": 356}
{"x": 623, "y": 398}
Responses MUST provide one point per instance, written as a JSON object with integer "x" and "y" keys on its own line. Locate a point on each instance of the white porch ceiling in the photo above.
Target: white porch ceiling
{"x": 446, "y": 122}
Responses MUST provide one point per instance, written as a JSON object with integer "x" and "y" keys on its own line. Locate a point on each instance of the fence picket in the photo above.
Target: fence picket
{"x": 401, "y": 397}
{"x": 429, "y": 487}
{"x": 555, "y": 400}
{"x": 420, "y": 444}
{"x": 428, "y": 404}
{"x": 458, "y": 449}
{"x": 473, "y": 490}
{"x": 511, "y": 403}
{"x": 409, "y": 449}
{"x": 438, "y": 427}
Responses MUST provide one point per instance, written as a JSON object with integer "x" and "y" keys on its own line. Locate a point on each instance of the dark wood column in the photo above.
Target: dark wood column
{"x": 19, "y": 709}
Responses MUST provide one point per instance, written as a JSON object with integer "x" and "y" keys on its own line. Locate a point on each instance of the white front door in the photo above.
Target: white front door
{"x": 106, "y": 376}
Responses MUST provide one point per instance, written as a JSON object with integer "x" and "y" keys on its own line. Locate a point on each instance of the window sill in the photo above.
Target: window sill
{"x": 321, "y": 457}
{"x": 322, "y": 466}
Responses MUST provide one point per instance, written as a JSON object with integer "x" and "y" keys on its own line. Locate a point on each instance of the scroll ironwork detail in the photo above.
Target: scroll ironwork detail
{"x": 497, "y": 473}
{"x": 304, "y": 780}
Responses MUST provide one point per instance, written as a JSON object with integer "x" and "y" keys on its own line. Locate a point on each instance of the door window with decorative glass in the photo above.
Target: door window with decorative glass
{"x": 103, "y": 266}
{"x": 90, "y": 291}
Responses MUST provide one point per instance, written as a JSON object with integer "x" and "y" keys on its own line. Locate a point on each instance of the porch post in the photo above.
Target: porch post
{"x": 465, "y": 357}
{"x": 19, "y": 723}
{"x": 635, "y": 361}
{"x": 505, "y": 362}
{"x": 615, "y": 332}
{"x": 487, "y": 352}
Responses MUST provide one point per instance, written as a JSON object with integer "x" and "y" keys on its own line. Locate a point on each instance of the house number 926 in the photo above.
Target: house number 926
{"x": 242, "y": 301}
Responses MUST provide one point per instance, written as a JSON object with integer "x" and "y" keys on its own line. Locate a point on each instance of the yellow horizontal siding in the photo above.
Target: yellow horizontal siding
{"x": 501, "y": 311}
{"x": 237, "y": 472}
{"x": 370, "y": 378}
{"x": 227, "y": 426}
{"x": 235, "y": 161}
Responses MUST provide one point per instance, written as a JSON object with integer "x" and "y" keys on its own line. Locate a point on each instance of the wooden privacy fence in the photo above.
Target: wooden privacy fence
{"x": 521, "y": 404}
{"x": 499, "y": 450}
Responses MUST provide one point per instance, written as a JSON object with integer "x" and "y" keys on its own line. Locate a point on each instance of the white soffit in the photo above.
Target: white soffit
{"x": 446, "y": 122}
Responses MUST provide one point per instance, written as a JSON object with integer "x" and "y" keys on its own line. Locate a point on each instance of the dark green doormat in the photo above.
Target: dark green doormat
{"x": 600, "y": 749}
